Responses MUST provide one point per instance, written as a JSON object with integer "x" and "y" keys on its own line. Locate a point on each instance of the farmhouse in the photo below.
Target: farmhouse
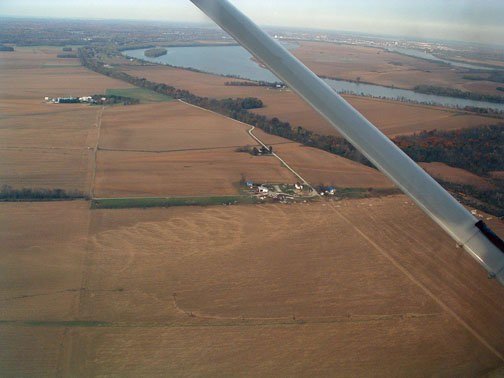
{"x": 263, "y": 189}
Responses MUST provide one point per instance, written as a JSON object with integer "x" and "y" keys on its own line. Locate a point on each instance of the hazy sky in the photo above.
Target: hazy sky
{"x": 465, "y": 20}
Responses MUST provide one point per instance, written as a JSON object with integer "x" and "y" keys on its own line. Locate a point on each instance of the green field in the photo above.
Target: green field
{"x": 144, "y": 95}
{"x": 124, "y": 203}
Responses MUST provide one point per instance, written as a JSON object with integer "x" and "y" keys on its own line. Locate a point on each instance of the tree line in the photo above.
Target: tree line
{"x": 114, "y": 99}
{"x": 478, "y": 149}
{"x": 7, "y": 193}
{"x": 451, "y": 92}
{"x": 66, "y": 55}
{"x": 276, "y": 84}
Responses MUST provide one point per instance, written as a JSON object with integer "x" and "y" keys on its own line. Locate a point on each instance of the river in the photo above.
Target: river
{"x": 236, "y": 61}
{"x": 425, "y": 55}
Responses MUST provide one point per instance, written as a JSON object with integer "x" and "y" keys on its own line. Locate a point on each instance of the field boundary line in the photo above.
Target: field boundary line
{"x": 37, "y": 148}
{"x": 98, "y": 122}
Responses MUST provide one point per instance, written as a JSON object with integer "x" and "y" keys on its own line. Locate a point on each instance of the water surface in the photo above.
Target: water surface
{"x": 425, "y": 55}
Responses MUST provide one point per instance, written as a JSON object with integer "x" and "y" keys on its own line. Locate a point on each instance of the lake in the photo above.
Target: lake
{"x": 236, "y": 61}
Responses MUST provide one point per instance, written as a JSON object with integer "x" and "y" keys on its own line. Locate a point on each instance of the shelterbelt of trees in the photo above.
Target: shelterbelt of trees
{"x": 7, "y": 193}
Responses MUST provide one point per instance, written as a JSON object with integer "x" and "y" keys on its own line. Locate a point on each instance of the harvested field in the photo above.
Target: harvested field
{"x": 456, "y": 175}
{"x": 213, "y": 291}
{"x": 45, "y": 168}
{"x": 182, "y": 173}
{"x": 61, "y": 127}
{"x": 169, "y": 126}
{"x": 42, "y": 252}
{"x": 321, "y": 167}
{"x": 396, "y": 118}
{"x": 48, "y": 149}
{"x": 391, "y": 117}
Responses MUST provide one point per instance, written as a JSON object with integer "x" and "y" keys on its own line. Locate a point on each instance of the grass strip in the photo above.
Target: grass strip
{"x": 127, "y": 203}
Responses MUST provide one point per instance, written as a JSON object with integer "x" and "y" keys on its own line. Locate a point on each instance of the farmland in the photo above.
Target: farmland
{"x": 182, "y": 173}
{"x": 457, "y": 175}
{"x": 169, "y": 126}
{"x": 318, "y": 166}
{"x": 163, "y": 280}
{"x": 137, "y": 285}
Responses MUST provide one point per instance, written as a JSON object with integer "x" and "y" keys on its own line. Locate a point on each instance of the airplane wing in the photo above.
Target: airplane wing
{"x": 473, "y": 235}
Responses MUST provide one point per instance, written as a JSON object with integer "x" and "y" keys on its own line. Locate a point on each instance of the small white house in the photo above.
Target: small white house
{"x": 263, "y": 189}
